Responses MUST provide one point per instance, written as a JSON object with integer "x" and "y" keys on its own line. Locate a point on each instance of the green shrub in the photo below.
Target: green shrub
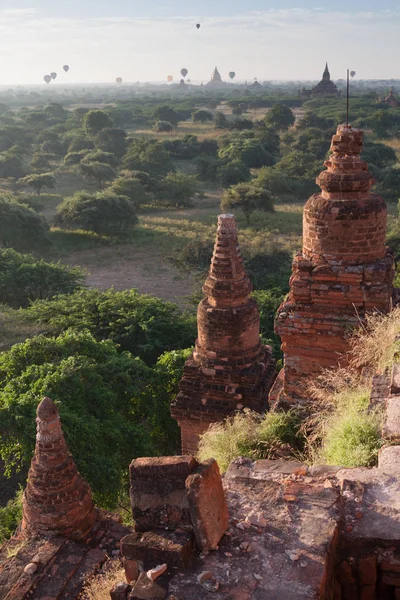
{"x": 21, "y": 227}
{"x": 10, "y": 517}
{"x": 163, "y": 126}
{"x": 353, "y": 434}
{"x": 177, "y": 189}
{"x": 104, "y": 213}
{"x": 23, "y": 279}
{"x": 144, "y": 325}
{"x": 247, "y": 198}
{"x": 112, "y": 406}
{"x": 250, "y": 435}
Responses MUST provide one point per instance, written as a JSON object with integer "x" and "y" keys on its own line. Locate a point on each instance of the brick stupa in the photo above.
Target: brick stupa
{"x": 343, "y": 271}
{"x": 229, "y": 369}
{"x": 56, "y": 501}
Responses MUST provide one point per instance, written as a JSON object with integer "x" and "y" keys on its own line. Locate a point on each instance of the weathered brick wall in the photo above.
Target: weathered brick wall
{"x": 229, "y": 369}
{"x": 343, "y": 271}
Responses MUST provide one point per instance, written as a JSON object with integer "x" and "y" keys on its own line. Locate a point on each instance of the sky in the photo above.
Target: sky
{"x": 150, "y": 39}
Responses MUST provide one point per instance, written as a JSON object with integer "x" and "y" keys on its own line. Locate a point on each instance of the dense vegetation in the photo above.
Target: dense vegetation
{"x": 141, "y": 182}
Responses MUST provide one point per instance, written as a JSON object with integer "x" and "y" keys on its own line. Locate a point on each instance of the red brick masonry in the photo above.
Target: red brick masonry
{"x": 56, "y": 501}
{"x": 229, "y": 369}
{"x": 343, "y": 271}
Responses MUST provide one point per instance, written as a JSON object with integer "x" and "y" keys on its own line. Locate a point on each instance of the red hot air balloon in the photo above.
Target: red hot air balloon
{"x": 198, "y": 25}
{"x": 232, "y": 74}
{"x": 119, "y": 80}
{"x": 53, "y": 75}
{"x": 352, "y": 73}
{"x": 170, "y": 78}
{"x": 66, "y": 68}
{"x": 47, "y": 78}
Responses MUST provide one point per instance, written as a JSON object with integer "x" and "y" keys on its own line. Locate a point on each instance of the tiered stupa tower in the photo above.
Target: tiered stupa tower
{"x": 229, "y": 369}
{"x": 56, "y": 501}
{"x": 343, "y": 271}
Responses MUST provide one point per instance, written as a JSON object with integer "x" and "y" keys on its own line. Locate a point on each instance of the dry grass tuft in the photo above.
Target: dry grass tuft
{"x": 98, "y": 587}
{"x": 375, "y": 344}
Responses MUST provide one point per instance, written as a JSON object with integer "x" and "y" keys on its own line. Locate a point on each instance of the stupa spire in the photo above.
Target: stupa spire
{"x": 344, "y": 270}
{"x": 56, "y": 500}
{"x": 229, "y": 369}
{"x": 227, "y": 282}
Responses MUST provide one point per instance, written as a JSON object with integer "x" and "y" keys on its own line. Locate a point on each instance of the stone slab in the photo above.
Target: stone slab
{"x": 391, "y": 427}
{"x": 372, "y": 507}
{"x": 155, "y": 548}
{"x": 146, "y": 589}
{"x": 389, "y": 460}
{"x": 395, "y": 379}
{"x": 207, "y": 503}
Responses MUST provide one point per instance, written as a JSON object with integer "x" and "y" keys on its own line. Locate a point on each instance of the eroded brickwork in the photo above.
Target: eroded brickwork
{"x": 229, "y": 369}
{"x": 343, "y": 271}
{"x": 56, "y": 501}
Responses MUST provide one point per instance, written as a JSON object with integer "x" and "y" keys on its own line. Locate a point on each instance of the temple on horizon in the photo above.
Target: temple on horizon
{"x": 325, "y": 87}
{"x": 216, "y": 80}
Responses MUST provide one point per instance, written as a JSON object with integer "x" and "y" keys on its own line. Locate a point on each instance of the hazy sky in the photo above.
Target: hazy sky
{"x": 147, "y": 40}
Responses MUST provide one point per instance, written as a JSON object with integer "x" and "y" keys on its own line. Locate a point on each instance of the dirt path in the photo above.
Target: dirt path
{"x": 125, "y": 267}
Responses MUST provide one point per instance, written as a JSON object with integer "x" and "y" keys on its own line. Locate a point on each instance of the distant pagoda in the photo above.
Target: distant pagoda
{"x": 325, "y": 87}
{"x": 390, "y": 100}
{"x": 216, "y": 79}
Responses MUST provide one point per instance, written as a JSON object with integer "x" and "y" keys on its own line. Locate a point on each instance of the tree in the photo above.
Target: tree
{"x": 280, "y": 117}
{"x": 145, "y": 325}
{"x": 248, "y": 150}
{"x": 42, "y": 161}
{"x": 247, "y": 198}
{"x": 149, "y": 156}
{"x": 23, "y": 279}
{"x": 202, "y": 116}
{"x": 101, "y": 157}
{"x": 20, "y": 226}
{"x": 100, "y": 172}
{"x": 177, "y": 189}
{"x": 131, "y": 188}
{"x": 74, "y": 158}
{"x": 232, "y": 173}
{"x": 112, "y": 406}
{"x": 112, "y": 139}
{"x": 104, "y": 213}
{"x": 11, "y": 165}
{"x": 39, "y": 181}
{"x": 80, "y": 142}
{"x": 163, "y": 126}
{"x": 241, "y": 124}
{"x": 166, "y": 113}
{"x": 220, "y": 120}
{"x": 95, "y": 120}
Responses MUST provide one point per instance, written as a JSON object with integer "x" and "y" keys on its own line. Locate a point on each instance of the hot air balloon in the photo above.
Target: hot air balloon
{"x": 184, "y": 72}
{"x": 119, "y": 80}
{"x": 53, "y": 75}
{"x": 232, "y": 74}
{"x": 198, "y": 25}
{"x": 47, "y": 78}
{"x": 352, "y": 73}
{"x": 66, "y": 68}
{"x": 170, "y": 78}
